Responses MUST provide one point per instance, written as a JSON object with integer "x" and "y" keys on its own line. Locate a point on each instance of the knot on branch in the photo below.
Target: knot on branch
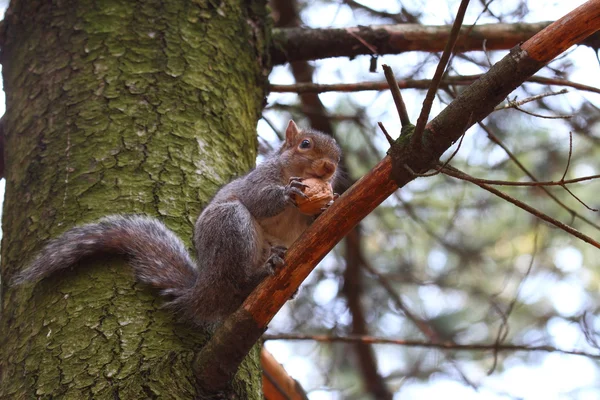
{"x": 417, "y": 155}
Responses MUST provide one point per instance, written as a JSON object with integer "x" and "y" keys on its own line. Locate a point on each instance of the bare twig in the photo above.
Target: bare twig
{"x": 503, "y": 330}
{"x": 412, "y": 84}
{"x": 533, "y": 184}
{"x": 439, "y": 72}
{"x": 565, "y": 173}
{"x": 363, "y": 41}
{"x": 423, "y": 326}
{"x": 573, "y": 213}
{"x": 540, "y": 115}
{"x": 402, "y": 17}
{"x": 591, "y": 334}
{"x": 417, "y": 343}
{"x": 451, "y": 171}
{"x": 515, "y": 104}
{"x": 396, "y": 95}
{"x": 569, "y": 157}
{"x": 385, "y": 132}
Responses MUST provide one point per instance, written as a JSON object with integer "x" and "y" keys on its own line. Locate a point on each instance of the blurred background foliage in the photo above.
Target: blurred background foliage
{"x": 443, "y": 261}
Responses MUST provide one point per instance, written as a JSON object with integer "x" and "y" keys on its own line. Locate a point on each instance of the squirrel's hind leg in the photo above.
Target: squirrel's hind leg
{"x": 231, "y": 257}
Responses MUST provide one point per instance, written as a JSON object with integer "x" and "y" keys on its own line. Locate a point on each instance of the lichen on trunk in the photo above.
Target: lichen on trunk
{"x": 117, "y": 107}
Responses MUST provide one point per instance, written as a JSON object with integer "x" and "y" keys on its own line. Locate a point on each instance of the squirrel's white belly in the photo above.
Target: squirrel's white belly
{"x": 283, "y": 229}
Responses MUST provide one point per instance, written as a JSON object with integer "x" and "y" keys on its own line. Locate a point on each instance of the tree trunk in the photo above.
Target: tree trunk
{"x": 117, "y": 107}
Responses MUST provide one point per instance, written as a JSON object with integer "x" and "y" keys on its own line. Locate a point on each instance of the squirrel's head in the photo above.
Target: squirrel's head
{"x": 309, "y": 154}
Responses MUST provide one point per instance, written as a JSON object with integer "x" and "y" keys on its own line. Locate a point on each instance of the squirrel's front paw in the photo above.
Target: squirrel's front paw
{"x": 295, "y": 188}
{"x": 275, "y": 260}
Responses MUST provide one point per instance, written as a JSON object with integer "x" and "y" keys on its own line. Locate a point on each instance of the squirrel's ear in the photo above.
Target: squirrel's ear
{"x": 291, "y": 132}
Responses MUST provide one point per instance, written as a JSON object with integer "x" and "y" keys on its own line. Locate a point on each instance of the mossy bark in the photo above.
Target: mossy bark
{"x": 117, "y": 107}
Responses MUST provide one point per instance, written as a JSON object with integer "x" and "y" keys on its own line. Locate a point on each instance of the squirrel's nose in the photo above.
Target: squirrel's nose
{"x": 324, "y": 168}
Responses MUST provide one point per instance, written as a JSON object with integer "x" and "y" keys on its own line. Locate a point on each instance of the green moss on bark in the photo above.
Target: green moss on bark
{"x": 117, "y": 107}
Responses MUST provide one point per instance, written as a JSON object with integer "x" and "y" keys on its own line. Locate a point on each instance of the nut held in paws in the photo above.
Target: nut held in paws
{"x": 319, "y": 195}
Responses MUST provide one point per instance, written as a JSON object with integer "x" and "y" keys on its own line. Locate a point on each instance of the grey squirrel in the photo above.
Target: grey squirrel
{"x": 240, "y": 237}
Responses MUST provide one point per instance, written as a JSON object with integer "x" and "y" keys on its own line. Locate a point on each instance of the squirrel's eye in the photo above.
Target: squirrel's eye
{"x": 305, "y": 144}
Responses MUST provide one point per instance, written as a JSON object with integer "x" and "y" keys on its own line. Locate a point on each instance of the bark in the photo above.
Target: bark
{"x": 118, "y": 107}
{"x": 277, "y": 384}
{"x": 296, "y": 44}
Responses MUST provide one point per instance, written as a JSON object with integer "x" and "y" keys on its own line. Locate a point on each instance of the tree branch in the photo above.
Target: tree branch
{"x": 439, "y": 72}
{"x": 277, "y": 384}
{"x": 432, "y": 345}
{"x": 413, "y": 84}
{"x": 319, "y": 120}
{"x": 295, "y": 44}
{"x": 495, "y": 139}
{"x": 232, "y": 340}
{"x": 461, "y": 175}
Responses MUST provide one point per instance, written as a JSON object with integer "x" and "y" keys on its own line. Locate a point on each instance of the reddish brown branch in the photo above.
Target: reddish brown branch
{"x": 295, "y": 44}
{"x": 277, "y": 384}
{"x": 232, "y": 340}
{"x": 562, "y": 34}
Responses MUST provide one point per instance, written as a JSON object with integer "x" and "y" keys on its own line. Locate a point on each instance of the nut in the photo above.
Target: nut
{"x": 319, "y": 194}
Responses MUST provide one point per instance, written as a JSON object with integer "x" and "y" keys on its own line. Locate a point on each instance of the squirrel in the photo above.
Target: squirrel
{"x": 240, "y": 237}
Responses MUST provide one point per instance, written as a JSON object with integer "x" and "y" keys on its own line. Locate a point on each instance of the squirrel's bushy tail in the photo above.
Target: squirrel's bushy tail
{"x": 157, "y": 256}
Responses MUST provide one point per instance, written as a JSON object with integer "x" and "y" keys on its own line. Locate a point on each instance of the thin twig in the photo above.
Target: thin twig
{"x": 573, "y": 213}
{"x": 417, "y": 343}
{"x": 412, "y": 84}
{"x": 423, "y": 326}
{"x": 542, "y": 116}
{"x": 396, "y": 95}
{"x": 402, "y": 17}
{"x": 439, "y": 73}
{"x": 578, "y": 199}
{"x": 369, "y": 46}
{"x": 385, "y": 132}
{"x": 562, "y": 183}
{"x": 515, "y": 104}
{"x": 591, "y": 335}
{"x": 567, "y": 169}
{"x": 503, "y": 330}
{"x": 569, "y": 157}
{"x": 534, "y": 184}
{"x": 461, "y": 175}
